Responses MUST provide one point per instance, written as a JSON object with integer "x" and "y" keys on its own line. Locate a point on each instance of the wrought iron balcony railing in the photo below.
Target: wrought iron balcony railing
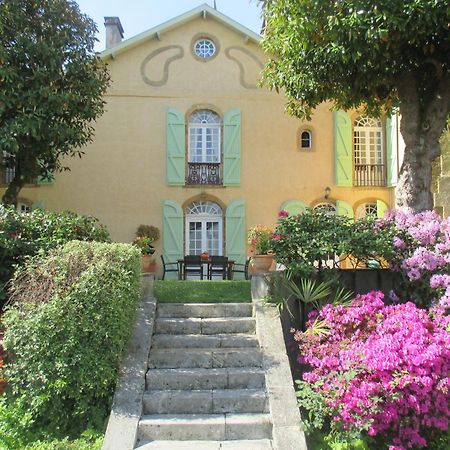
{"x": 204, "y": 173}
{"x": 369, "y": 175}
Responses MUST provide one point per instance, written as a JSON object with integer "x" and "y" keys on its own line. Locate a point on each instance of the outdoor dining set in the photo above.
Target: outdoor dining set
{"x": 211, "y": 268}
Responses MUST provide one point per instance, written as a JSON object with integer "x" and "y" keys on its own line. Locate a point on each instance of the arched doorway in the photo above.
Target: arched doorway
{"x": 204, "y": 228}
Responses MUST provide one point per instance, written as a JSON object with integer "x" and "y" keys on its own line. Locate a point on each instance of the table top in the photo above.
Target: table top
{"x": 207, "y": 261}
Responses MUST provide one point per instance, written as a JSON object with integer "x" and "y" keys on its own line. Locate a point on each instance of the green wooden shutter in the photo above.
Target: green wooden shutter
{"x": 381, "y": 208}
{"x": 172, "y": 231}
{"x": 344, "y": 209}
{"x": 37, "y": 205}
{"x": 236, "y": 231}
{"x": 232, "y": 148}
{"x": 294, "y": 207}
{"x": 176, "y": 153}
{"x": 391, "y": 152}
{"x": 343, "y": 149}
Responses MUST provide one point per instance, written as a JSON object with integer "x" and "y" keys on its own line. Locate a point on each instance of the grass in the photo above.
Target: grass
{"x": 174, "y": 291}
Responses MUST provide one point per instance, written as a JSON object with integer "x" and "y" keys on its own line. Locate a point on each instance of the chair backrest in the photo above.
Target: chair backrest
{"x": 162, "y": 259}
{"x": 219, "y": 261}
{"x": 192, "y": 260}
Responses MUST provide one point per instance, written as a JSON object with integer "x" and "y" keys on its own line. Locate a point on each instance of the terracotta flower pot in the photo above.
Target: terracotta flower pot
{"x": 262, "y": 263}
{"x": 148, "y": 264}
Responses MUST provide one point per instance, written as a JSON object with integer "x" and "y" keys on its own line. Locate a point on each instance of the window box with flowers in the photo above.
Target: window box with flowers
{"x": 145, "y": 236}
{"x": 259, "y": 238}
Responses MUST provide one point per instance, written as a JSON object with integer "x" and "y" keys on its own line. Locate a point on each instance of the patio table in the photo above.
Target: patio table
{"x": 206, "y": 262}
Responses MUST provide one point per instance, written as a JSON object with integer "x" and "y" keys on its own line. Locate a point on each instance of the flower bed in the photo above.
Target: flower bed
{"x": 377, "y": 372}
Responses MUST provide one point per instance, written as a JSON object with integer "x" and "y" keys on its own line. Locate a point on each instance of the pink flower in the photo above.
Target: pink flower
{"x": 382, "y": 368}
{"x": 276, "y": 237}
{"x": 283, "y": 213}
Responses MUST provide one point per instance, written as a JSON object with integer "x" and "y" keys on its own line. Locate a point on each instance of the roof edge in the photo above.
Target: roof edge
{"x": 175, "y": 22}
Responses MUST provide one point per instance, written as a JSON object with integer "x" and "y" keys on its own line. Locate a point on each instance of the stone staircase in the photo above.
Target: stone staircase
{"x": 205, "y": 386}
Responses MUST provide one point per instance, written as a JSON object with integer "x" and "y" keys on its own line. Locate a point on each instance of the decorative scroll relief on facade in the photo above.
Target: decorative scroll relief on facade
{"x": 249, "y": 66}
{"x": 155, "y": 67}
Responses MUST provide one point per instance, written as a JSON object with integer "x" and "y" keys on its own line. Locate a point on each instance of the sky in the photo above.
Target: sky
{"x": 137, "y": 16}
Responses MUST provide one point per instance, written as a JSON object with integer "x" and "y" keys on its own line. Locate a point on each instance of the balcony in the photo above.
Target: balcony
{"x": 204, "y": 173}
{"x": 369, "y": 175}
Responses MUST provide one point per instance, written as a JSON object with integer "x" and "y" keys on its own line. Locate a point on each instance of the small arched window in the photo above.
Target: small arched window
{"x": 366, "y": 210}
{"x": 306, "y": 140}
{"x": 204, "y": 137}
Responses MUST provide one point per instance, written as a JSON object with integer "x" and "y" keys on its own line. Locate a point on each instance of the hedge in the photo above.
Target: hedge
{"x": 66, "y": 327}
{"x": 23, "y": 235}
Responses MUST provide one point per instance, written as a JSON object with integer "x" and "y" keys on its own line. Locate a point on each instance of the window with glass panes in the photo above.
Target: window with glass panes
{"x": 204, "y": 228}
{"x": 368, "y": 141}
{"x": 204, "y": 137}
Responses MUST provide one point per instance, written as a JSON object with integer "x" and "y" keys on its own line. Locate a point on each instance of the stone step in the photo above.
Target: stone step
{"x": 215, "y": 427}
{"x": 203, "y": 310}
{"x": 204, "y": 341}
{"x": 206, "y": 358}
{"x": 205, "y": 326}
{"x": 226, "y": 378}
{"x": 205, "y": 401}
{"x": 259, "y": 444}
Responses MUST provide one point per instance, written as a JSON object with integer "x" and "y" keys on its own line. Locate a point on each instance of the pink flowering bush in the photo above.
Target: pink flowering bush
{"x": 422, "y": 245}
{"x": 378, "y": 372}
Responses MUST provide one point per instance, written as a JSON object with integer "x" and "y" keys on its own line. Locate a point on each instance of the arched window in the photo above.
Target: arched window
{"x": 306, "y": 140}
{"x": 204, "y": 228}
{"x": 366, "y": 209}
{"x": 327, "y": 208}
{"x": 368, "y": 152}
{"x": 204, "y": 137}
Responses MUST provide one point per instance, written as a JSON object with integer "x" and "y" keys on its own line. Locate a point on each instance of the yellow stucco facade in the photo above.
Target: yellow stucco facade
{"x": 122, "y": 178}
{"x": 441, "y": 177}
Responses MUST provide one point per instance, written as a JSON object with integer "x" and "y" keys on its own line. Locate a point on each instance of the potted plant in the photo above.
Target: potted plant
{"x": 145, "y": 236}
{"x": 259, "y": 238}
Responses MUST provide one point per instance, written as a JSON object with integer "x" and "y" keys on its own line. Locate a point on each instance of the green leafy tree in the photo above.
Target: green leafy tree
{"x": 51, "y": 87}
{"x": 368, "y": 54}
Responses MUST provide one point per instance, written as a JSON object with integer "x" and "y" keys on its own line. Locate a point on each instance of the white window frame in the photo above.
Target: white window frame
{"x": 204, "y": 44}
{"x": 365, "y": 129}
{"x": 204, "y": 212}
{"x": 204, "y": 127}
{"x": 361, "y": 211}
{"x": 304, "y": 147}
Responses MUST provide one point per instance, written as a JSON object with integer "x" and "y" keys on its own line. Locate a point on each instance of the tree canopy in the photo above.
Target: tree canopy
{"x": 371, "y": 55}
{"x": 51, "y": 87}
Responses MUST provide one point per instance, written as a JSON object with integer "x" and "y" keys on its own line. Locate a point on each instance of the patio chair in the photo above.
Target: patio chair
{"x": 218, "y": 266}
{"x": 170, "y": 267}
{"x": 192, "y": 265}
{"x": 242, "y": 268}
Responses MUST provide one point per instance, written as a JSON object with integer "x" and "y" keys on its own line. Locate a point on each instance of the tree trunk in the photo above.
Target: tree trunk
{"x": 421, "y": 127}
{"x": 413, "y": 191}
{"x": 12, "y": 191}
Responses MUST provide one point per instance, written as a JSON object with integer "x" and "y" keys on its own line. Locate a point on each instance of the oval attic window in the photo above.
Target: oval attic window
{"x": 204, "y": 48}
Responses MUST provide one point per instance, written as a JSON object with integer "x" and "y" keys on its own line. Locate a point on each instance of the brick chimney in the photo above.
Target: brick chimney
{"x": 114, "y": 31}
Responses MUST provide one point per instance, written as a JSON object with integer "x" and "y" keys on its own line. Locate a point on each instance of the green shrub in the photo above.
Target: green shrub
{"x": 69, "y": 319}
{"x": 169, "y": 291}
{"x": 23, "y": 235}
{"x": 304, "y": 243}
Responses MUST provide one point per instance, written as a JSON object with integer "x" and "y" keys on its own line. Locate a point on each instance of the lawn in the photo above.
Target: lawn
{"x": 175, "y": 291}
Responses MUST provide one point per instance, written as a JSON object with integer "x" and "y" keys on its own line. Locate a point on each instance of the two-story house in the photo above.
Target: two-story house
{"x": 192, "y": 144}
